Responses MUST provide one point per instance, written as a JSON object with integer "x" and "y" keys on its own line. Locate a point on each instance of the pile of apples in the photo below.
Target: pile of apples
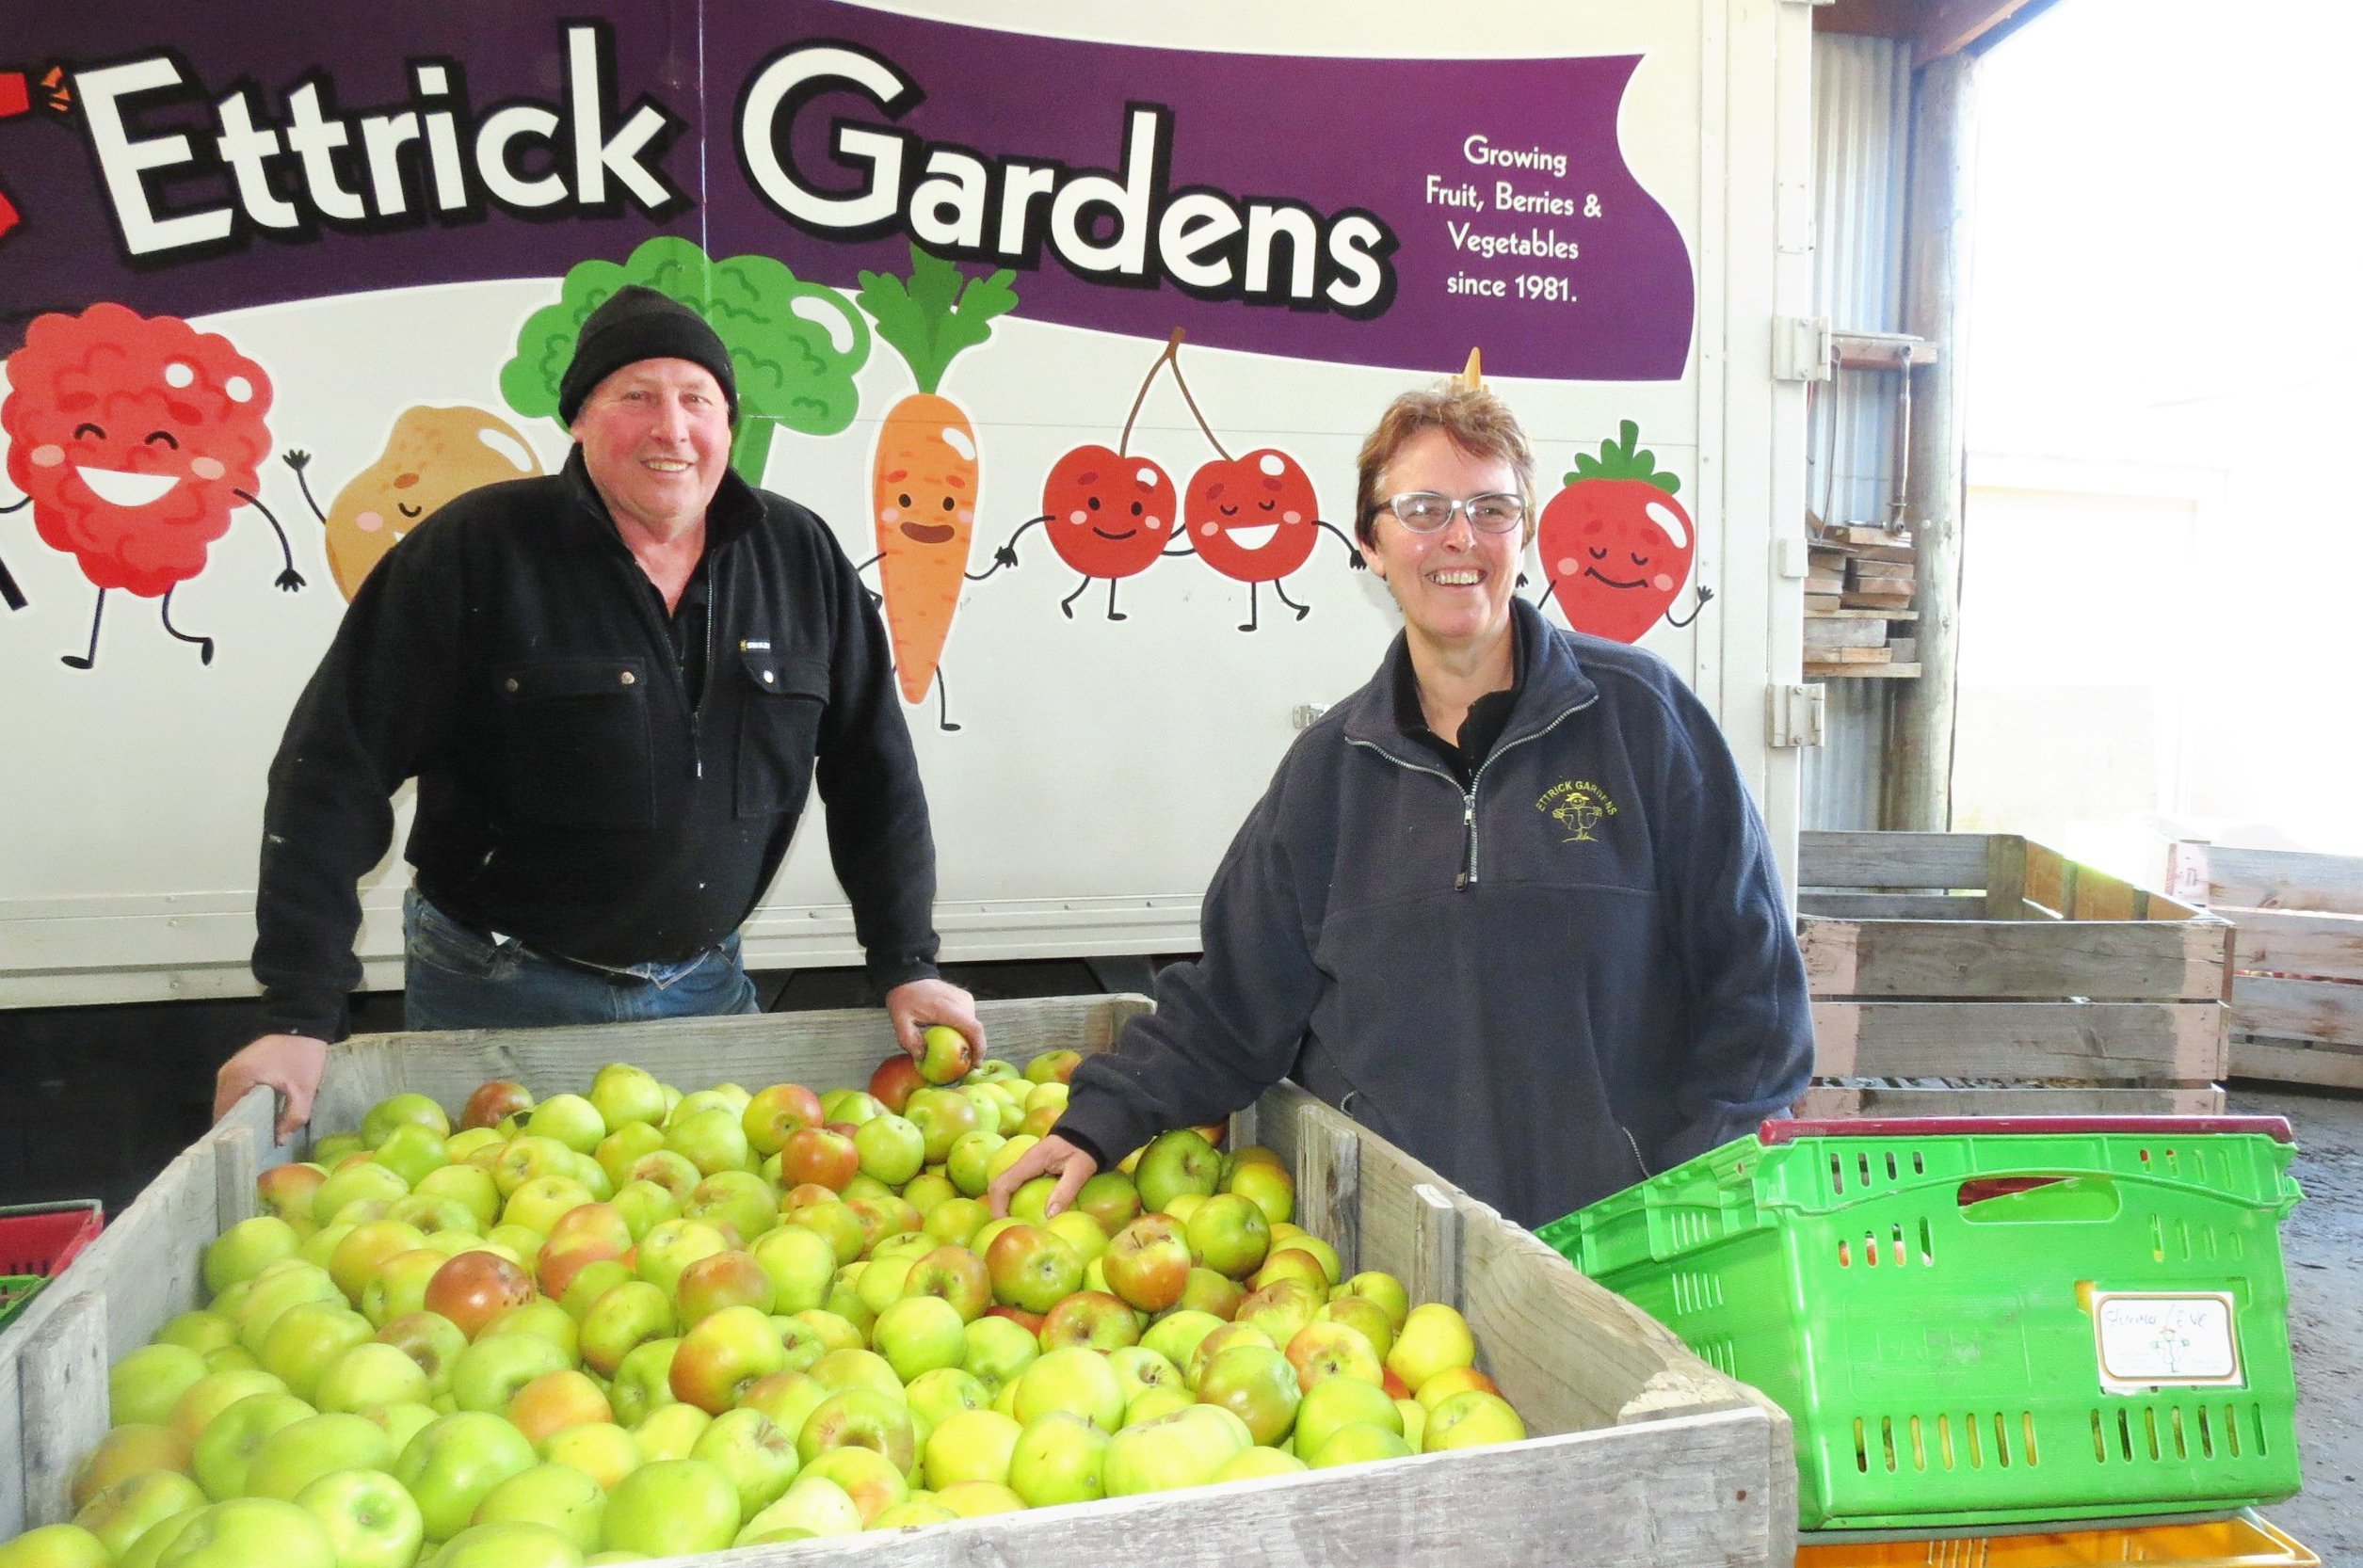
{"x": 634, "y": 1322}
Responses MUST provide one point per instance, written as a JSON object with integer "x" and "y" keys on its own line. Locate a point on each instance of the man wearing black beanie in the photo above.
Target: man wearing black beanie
{"x": 616, "y": 686}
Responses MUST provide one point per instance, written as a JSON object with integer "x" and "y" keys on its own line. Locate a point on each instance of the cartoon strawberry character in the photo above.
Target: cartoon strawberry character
{"x": 1615, "y": 545}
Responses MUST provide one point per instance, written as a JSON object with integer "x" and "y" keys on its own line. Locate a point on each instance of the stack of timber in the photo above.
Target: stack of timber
{"x": 2297, "y": 986}
{"x": 1981, "y": 974}
{"x": 1858, "y": 613}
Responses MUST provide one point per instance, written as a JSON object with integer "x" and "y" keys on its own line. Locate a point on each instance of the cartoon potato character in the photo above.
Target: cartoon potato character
{"x": 432, "y": 456}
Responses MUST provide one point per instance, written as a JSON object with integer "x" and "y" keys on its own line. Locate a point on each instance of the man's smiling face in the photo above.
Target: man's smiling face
{"x": 656, "y": 441}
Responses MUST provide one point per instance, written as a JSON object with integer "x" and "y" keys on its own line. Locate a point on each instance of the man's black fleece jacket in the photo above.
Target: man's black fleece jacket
{"x": 512, "y": 656}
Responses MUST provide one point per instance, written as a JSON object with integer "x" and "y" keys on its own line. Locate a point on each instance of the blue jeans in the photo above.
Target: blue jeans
{"x": 455, "y": 979}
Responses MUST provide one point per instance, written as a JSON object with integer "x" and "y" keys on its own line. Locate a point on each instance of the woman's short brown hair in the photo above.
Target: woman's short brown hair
{"x": 1476, "y": 421}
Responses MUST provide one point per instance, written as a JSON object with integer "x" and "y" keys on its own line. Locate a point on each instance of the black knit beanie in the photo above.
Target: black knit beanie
{"x": 637, "y": 323}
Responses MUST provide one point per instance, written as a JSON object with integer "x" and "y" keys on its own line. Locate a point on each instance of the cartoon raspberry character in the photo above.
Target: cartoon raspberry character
{"x": 134, "y": 437}
{"x": 1615, "y": 545}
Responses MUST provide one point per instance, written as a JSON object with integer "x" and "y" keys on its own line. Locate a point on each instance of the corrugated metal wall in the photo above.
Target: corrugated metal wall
{"x": 1862, "y": 89}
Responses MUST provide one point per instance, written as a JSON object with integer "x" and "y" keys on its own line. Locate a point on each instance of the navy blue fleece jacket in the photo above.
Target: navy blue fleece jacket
{"x": 1577, "y": 973}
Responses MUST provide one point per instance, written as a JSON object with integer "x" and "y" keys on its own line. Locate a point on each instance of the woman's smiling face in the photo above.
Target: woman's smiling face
{"x": 1455, "y": 585}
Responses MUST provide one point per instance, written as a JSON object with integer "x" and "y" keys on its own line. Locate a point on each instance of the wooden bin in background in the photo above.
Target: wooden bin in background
{"x": 1984, "y": 974}
{"x": 2297, "y": 986}
{"x": 1641, "y": 1453}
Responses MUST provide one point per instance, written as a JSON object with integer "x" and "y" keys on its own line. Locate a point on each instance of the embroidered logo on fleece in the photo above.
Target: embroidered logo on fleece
{"x": 1577, "y": 804}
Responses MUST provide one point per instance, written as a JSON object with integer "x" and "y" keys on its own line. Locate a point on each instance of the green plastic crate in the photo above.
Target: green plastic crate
{"x": 1931, "y": 1301}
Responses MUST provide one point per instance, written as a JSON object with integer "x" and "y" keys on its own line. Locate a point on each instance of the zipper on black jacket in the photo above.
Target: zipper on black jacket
{"x": 1467, "y": 875}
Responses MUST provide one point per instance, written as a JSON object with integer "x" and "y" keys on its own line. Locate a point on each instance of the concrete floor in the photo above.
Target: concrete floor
{"x": 2322, "y": 1246}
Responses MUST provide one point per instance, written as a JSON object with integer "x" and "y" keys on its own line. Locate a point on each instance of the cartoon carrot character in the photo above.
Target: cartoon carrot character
{"x": 923, "y": 477}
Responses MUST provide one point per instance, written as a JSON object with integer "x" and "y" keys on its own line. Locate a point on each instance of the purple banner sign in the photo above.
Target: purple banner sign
{"x": 1374, "y": 212}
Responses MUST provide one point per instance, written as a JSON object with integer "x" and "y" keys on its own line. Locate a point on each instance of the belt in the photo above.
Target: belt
{"x": 613, "y": 976}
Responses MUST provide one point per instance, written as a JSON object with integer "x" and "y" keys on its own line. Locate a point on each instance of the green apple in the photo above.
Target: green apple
{"x": 488, "y": 1373}
{"x": 935, "y": 1397}
{"x": 124, "y": 1512}
{"x": 672, "y": 1508}
{"x": 558, "y": 1496}
{"x": 919, "y": 1334}
{"x": 451, "y": 1467}
{"x": 369, "y": 1519}
{"x": 361, "y": 1181}
{"x": 721, "y": 1354}
{"x": 300, "y": 1453}
{"x": 998, "y": 1351}
{"x": 669, "y": 1431}
{"x": 1175, "y": 1162}
{"x": 402, "y": 1420}
{"x": 471, "y": 1186}
{"x": 222, "y": 1455}
{"x": 746, "y": 1447}
{"x": 245, "y": 1249}
{"x": 859, "y": 1418}
{"x": 812, "y": 1506}
{"x": 645, "y": 1204}
{"x": 628, "y": 1316}
{"x": 200, "y": 1331}
{"x": 1335, "y": 1402}
{"x": 624, "y": 1149}
{"x": 890, "y": 1148}
{"x": 433, "y": 1343}
{"x": 711, "y": 1139}
{"x": 1178, "y": 1333}
{"x": 672, "y": 1246}
{"x": 787, "y": 1398}
{"x": 1229, "y": 1235}
{"x": 1058, "y": 1458}
{"x": 571, "y": 1120}
{"x": 1358, "y": 1442}
{"x": 1472, "y": 1420}
{"x": 1150, "y": 1404}
{"x": 1171, "y": 1452}
{"x": 600, "y": 1449}
{"x": 246, "y": 1530}
{"x": 307, "y": 1339}
{"x": 1257, "y": 1462}
{"x": 508, "y": 1544}
{"x": 1434, "y": 1339}
{"x": 873, "y": 1480}
{"x": 1110, "y": 1198}
{"x": 942, "y": 1053}
{"x": 625, "y": 1094}
{"x": 1384, "y": 1288}
{"x": 1255, "y": 1384}
{"x": 643, "y": 1380}
{"x": 278, "y": 1288}
{"x": 742, "y": 1198}
{"x": 147, "y": 1383}
{"x": 204, "y": 1400}
{"x": 1076, "y": 1379}
{"x": 411, "y": 1151}
{"x": 378, "y": 1122}
{"x": 919, "y": 1510}
{"x": 57, "y": 1546}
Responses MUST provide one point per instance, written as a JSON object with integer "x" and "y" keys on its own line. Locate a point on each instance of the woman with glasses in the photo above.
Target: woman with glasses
{"x": 1509, "y": 905}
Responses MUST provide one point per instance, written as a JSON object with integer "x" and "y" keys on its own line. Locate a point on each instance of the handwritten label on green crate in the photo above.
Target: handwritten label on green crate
{"x": 2146, "y": 1339}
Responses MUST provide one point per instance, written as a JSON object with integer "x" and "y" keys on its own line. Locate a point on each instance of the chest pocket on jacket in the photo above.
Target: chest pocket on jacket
{"x": 574, "y": 747}
{"x": 779, "y": 731}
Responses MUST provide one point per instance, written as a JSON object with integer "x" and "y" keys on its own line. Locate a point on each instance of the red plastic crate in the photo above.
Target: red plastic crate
{"x": 37, "y": 1241}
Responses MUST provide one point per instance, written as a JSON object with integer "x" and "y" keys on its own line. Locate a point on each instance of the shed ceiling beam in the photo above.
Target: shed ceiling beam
{"x": 1936, "y": 29}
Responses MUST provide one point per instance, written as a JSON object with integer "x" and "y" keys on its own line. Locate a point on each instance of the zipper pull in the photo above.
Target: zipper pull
{"x": 696, "y": 750}
{"x": 1469, "y": 828}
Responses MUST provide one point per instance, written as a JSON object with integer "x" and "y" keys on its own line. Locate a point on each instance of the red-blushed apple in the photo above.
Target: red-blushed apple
{"x": 670, "y": 1509}
{"x": 955, "y": 1275}
{"x": 1217, "y": 1340}
{"x": 819, "y": 1155}
{"x": 749, "y": 1448}
{"x": 1207, "y": 1291}
{"x": 998, "y": 1351}
{"x": 432, "y": 1341}
{"x": 1171, "y": 1452}
{"x": 125, "y": 1451}
{"x": 971, "y": 1445}
{"x": 624, "y": 1149}
{"x": 369, "y": 1519}
{"x": 555, "y": 1400}
{"x": 890, "y": 1085}
{"x": 871, "y": 1478}
{"x": 1337, "y": 1402}
{"x": 285, "y": 1191}
{"x": 1364, "y": 1315}
{"x": 919, "y": 1334}
{"x": 729, "y": 1278}
{"x": 776, "y": 1113}
{"x": 1324, "y": 1350}
{"x": 1089, "y": 1317}
{"x": 1076, "y": 1379}
{"x": 813, "y": 1506}
{"x": 1358, "y": 1442}
{"x": 1324, "y": 1253}
{"x": 600, "y": 1449}
{"x": 1280, "y": 1309}
{"x": 1053, "y": 1066}
{"x": 475, "y": 1288}
{"x": 799, "y": 1260}
{"x": 860, "y": 1418}
{"x": 1290, "y": 1261}
{"x": 1148, "y": 1262}
{"x": 643, "y": 1380}
{"x": 1032, "y": 1267}
{"x": 671, "y": 1245}
{"x": 1255, "y": 1384}
{"x": 787, "y": 1398}
{"x": 555, "y": 1497}
{"x": 942, "y": 1053}
{"x": 668, "y": 1170}
{"x": 669, "y": 1431}
{"x": 1434, "y": 1339}
{"x": 1472, "y": 1420}
{"x": 722, "y": 1353}
{"x": 494, "y": 1102}
{"x": 1228, "y": 1234}
{"x": 1453, "y": 1380}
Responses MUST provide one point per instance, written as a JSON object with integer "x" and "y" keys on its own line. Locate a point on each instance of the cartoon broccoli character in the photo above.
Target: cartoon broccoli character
{"x": 789, "y": 368}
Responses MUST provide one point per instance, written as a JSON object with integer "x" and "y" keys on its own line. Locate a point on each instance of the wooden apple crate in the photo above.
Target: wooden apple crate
{"x": 1984, "y": 974}
{"x": 1641, "y": 1455}
{"x": 2297, "y": 986}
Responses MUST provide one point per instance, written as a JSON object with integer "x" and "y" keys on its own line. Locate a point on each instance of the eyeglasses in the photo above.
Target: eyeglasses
{"x": 1426, "y": 511}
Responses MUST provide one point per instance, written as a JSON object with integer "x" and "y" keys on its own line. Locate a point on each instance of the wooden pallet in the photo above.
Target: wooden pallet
{"x": 1640, "y": 1451}
{"x": 2297, "y": 986}
{"x": 1858, "y": 604}
{"x": 1968, "y": 974}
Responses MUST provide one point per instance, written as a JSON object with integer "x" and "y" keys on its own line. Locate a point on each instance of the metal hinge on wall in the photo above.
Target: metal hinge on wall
{"x": 1801, "y": 348}
{"x": 1793, "y": 715}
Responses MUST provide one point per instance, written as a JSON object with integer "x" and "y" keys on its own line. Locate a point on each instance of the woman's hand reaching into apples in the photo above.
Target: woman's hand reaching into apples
{"x": 289, "y": 1064}
{"x": 916, "y": 1004}
{"x": 1053, "y": 1157}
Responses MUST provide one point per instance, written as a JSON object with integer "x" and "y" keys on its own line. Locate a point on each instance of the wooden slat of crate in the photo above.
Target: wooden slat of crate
{"x": 2326, "y": 1010}
{"x": 2284, "y": 879}
{"x": 1828, "y": 859}
{"x": 2320, "y": 947}
{"x": 2015, "y": 959}
{"x": 2096, "y": 1041}
{"x": 1858, "y": 1098}
{"x": 1892, "y": 907}
{"x": 1642, "y": 1452}
{"x": 2327, "y": 1062}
